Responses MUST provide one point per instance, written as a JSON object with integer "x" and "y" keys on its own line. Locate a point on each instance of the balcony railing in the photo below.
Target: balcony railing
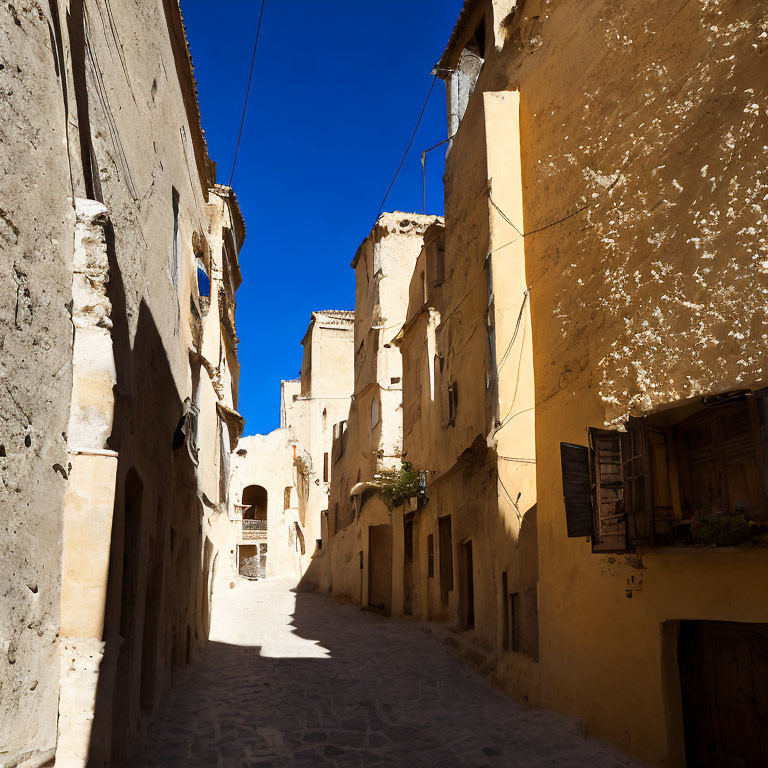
{"x": 254, "y": 529}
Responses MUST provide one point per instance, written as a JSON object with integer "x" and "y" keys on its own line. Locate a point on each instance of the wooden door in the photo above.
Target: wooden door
{"x": 724, "y": 679}
{"x": 408, "y": 564}
{"x": 380, "y": 567}
{"x": 445, "y": 534}
{"x": 467, "y": 586}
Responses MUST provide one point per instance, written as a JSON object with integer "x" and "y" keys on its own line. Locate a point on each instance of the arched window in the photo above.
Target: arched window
{"x": 374, "y": 412}
{"x": 255, "y": 503}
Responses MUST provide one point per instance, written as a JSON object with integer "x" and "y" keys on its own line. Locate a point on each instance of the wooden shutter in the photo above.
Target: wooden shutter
{"x": 610, "y": 521}
{"x": 638, "y": 492}
{"x": 761, "y": 406}
{"x": 659, "y": 468}
{"x": 577, "y": 489}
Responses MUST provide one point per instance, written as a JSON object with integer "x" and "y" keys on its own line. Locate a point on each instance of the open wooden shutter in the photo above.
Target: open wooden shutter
{"x": 577, "y": 489}
{"x": 659, "y": 469}
{"x": 638, "y": 494}
{"x": 761, "y": 404}
{"x": 610, "y": 521}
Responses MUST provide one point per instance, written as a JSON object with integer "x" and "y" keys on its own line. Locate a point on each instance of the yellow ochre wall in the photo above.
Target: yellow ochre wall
{"x": 644, "y": 124}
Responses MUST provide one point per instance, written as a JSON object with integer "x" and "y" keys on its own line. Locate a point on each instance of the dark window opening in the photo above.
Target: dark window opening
{"x": 477, "y": 43}
{"x": 506, "y": 614}
{"x": 431, "y": 556}
{"x": 174, "y": 266}
{"x": 514, "y": 621}
{"x": 436, "y": 260}
{"x": 446, "y": 557}
{"x": 255, "y": 503}
{"x": 325, "y": 467}
{"x": 408, "y": 538}
{"x": 467, "y": 586}
{"x": 453, "y": 402}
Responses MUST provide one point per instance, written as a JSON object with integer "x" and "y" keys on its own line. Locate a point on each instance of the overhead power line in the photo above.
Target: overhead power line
{"x": 247, "y": 91}
{"x": 408, "y": 148}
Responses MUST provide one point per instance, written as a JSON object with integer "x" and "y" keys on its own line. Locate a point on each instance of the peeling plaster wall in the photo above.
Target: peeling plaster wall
{"x": 648, "y": 120}
{"x": 643, "y": 133}
{"x": 36, "y": 244}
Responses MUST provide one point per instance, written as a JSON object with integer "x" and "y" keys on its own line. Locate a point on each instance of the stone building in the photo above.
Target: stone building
{"x": 583, "y": 375}
{"x": 280, "y": 481}
{"x": 119, "y": 373}
{"x": 356, "y": 562}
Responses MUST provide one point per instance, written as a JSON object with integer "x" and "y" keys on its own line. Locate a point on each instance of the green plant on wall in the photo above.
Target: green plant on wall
{"x": 398, "y": 485}
{"x": 725, "y": 530}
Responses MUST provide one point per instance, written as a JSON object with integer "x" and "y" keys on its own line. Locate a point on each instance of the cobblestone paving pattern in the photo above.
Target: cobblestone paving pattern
{"x": 299, "y": 680}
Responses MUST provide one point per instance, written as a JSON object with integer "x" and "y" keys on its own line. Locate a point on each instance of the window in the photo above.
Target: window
{"x": 374, "y": 412}
{"x": 694, "y": 474}
{"x": 408, "y": 538}
{"x": 186, "y": 431}
{"x": 453, "y": 402}
{"x": 506, "y": 618}
{"x": 436, "y": 260}
{"x": 225, "y": 450}
{"x": 521, "y": 620}
{"x": 203, "y": 281}
{"x": 446, "y": 557}
{"x": 325, "y": 467}
{"x": 174, "y": 265}
{"x": 514, "y": 621}
{"x": 431, "y": 556}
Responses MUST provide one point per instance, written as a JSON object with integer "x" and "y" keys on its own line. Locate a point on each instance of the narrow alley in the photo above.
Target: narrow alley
{"x": 388, "y": 388}
{"x": 300, "y": 680}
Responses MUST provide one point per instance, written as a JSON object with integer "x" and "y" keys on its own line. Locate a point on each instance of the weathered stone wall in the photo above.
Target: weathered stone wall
{"x": 36, "y": 242}
{"x": 98, "y": 104}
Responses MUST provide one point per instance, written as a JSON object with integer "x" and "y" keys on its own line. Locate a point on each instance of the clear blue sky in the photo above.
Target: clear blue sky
{"x": 337, "y": 89}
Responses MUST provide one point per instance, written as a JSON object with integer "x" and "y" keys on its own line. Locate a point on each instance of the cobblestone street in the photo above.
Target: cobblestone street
{"x": 299, "y": 680}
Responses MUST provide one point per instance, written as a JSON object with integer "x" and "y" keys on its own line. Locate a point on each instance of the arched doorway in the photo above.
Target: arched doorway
{"x": 252, "y": 557}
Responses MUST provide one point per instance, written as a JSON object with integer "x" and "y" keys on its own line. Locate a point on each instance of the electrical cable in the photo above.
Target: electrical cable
{"x": 514, "y": 503}
{"x": 247, "y": 92}
{"x": 408, "y": 148}
{"x": 514, "y": 335}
